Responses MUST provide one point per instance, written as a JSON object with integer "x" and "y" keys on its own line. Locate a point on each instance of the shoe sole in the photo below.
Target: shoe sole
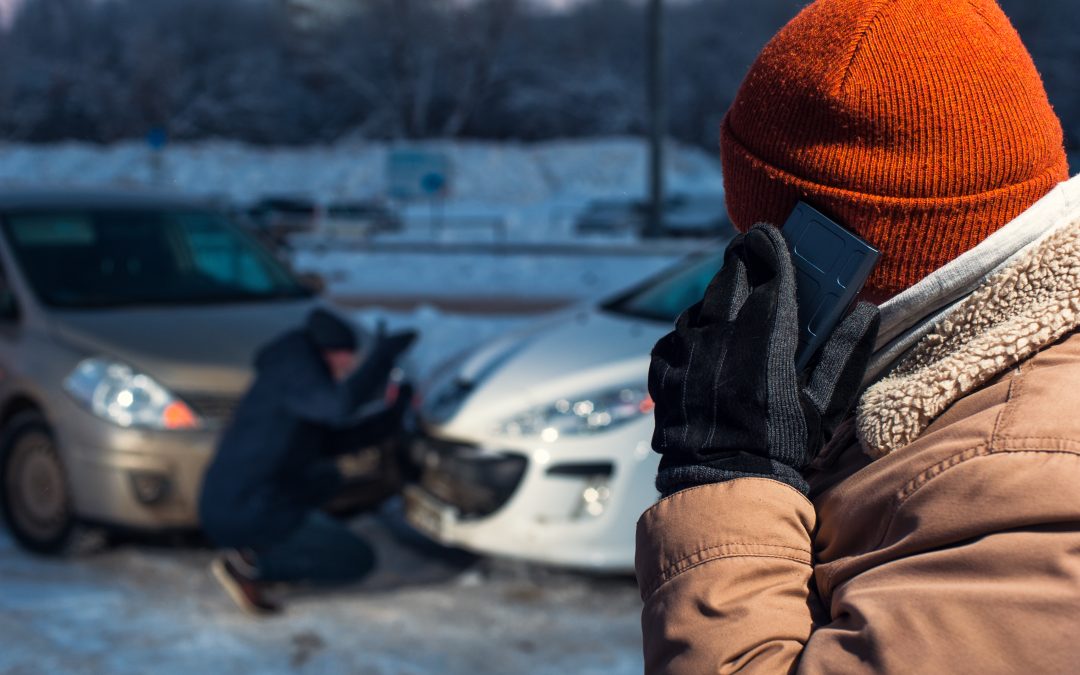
{"x": 217, "y": 568}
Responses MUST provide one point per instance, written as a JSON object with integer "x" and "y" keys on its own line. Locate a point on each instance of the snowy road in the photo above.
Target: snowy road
{"x": 141, "y": 608}
{"x": 144, "y": 608}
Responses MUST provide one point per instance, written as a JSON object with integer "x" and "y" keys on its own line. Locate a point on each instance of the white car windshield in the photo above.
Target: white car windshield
{"x": 664, "y": 297}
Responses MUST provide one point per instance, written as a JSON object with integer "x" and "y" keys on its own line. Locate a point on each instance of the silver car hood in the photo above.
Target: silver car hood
{"x": 186, "y": 348}
{"x": 571, "y": 354}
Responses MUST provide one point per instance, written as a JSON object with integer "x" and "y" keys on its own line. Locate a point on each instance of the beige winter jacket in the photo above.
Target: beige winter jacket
{"x": 943, "y": 535}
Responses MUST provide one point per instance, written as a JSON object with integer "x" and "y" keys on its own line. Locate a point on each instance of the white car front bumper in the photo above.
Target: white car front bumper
{"x": 576, "y": 503}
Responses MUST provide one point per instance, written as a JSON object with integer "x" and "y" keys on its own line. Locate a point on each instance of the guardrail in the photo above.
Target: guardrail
{"x": 651, "y": 248}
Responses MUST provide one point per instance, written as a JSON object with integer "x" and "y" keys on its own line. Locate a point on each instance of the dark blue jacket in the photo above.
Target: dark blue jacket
{"x": 274, "y": 462}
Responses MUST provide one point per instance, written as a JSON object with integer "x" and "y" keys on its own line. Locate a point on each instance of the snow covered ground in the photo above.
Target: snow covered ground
{"x": 141, "y": 609}
{"x": 144, "y": 607}
{"x": 483, "y": 173}
{"x": 535, "y": 189}
{"x": 532, "y": 191}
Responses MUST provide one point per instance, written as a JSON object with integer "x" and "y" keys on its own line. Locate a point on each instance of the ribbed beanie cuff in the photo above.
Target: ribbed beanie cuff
{"x": 918, "y": 235}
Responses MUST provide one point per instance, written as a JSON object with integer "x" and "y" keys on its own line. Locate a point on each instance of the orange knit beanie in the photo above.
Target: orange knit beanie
{"x": 922, "y": 125}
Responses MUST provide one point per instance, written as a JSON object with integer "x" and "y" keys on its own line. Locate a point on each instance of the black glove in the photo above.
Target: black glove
{"x": 370, "y": 378}
{"x": 393, "y": 346}
{"x": 403, "y": 401}
{"x": 729, "y": 402}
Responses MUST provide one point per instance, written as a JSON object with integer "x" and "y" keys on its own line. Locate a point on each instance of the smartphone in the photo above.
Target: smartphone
{"x": 831, "y": 267}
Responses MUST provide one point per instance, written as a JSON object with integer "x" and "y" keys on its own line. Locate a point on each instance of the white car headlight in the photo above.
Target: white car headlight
{"x": 578, "y": 415}
{"x": 124, "y": 396}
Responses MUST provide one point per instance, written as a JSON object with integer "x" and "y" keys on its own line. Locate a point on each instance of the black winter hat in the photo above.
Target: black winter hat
{"x": 329, "y": 331}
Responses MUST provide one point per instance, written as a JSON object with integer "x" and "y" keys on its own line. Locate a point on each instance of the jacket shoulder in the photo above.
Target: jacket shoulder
{"x": 1006, "y": 455}
{"x": 1043, "y": 403}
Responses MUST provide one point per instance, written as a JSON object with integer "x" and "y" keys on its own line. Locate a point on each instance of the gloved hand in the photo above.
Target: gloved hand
{"x": 402, "y": 402}
{"x": 375, "y": 368}
{"x": 394, "y": 345}
{"x": 729, "y": 402}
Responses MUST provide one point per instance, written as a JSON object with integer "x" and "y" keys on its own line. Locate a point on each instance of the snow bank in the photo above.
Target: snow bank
{"x": 536, "y": 188}
{"x": 134, "y": 610}
{"x": 505, "y": 173}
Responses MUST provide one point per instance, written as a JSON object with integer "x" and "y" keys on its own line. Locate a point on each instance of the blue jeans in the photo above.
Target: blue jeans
{"x": 321, "y": 550}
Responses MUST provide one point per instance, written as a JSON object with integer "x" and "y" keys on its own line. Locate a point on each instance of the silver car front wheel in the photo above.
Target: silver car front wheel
{"x": 35, "y": 498}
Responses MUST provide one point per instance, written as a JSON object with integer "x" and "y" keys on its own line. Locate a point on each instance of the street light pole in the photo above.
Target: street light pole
{"x": 657, "y": 118}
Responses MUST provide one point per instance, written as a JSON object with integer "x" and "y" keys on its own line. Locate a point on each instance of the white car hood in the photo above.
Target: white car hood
{"x": 571, "y": 354}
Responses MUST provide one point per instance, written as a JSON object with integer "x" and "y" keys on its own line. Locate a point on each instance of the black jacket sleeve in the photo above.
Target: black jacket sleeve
{"x": 321, "y": 482}
{"x": 317, "y": 399}
{"x": 368, "y": 431}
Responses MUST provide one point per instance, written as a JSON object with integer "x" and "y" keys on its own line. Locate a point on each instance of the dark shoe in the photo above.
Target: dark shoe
{"x": 247, "y": 593}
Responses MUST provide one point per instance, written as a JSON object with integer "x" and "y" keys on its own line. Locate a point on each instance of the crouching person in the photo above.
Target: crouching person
{"x": 936, "y": 529}
{"x": 275, "y": 465}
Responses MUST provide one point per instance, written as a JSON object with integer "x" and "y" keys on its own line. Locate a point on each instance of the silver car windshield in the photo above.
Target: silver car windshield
{"x": 79, "y": 258}
{"x": 664, "y": 297}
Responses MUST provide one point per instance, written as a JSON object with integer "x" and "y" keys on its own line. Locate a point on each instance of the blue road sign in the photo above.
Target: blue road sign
{"x": 157, "y": 138}
{"x": 417, "y": 174}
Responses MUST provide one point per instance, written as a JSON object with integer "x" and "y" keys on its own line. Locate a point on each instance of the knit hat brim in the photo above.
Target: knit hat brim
{"x": 916, "y": 235}
{"x": 330, "y": 332}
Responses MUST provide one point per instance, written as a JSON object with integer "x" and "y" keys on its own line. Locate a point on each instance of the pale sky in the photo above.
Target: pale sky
{"x": 6, "y": 8}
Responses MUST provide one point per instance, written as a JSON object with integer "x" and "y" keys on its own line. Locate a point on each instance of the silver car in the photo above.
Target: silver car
{"x": 127, "y": 329}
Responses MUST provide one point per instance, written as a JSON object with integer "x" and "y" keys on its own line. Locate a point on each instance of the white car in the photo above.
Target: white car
{"x": 537, "y": 446}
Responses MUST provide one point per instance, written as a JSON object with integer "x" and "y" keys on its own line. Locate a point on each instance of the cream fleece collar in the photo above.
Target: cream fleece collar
{"x": 908, "y": 317}
{"x": 1019, "y": 309}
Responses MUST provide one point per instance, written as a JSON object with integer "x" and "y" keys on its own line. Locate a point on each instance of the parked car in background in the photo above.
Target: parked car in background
{"x": 698, "y": 216}
{"x": 537, "y": 446}
{"x": 358, "y": 220}
{"x": 278, "y": 218}
{"x": 609, "y": 217}
{"x": 128, "y": 327}
{"x": 684, "y": 215}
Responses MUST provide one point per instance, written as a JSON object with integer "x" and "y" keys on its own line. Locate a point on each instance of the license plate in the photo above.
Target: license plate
{"x": 425, "y": 514}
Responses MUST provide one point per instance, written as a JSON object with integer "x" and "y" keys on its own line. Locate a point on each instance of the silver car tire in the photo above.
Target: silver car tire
{"x": 34, "y": 490}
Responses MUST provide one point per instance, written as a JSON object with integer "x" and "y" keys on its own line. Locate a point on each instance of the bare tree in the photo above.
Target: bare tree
{"x": 490, "y": 23}
{"x": 302, "y": 71}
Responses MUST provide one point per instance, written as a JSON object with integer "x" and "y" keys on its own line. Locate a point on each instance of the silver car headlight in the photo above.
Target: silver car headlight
{"x": 579, "y": 415}
{"x": 122, "y": 395}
